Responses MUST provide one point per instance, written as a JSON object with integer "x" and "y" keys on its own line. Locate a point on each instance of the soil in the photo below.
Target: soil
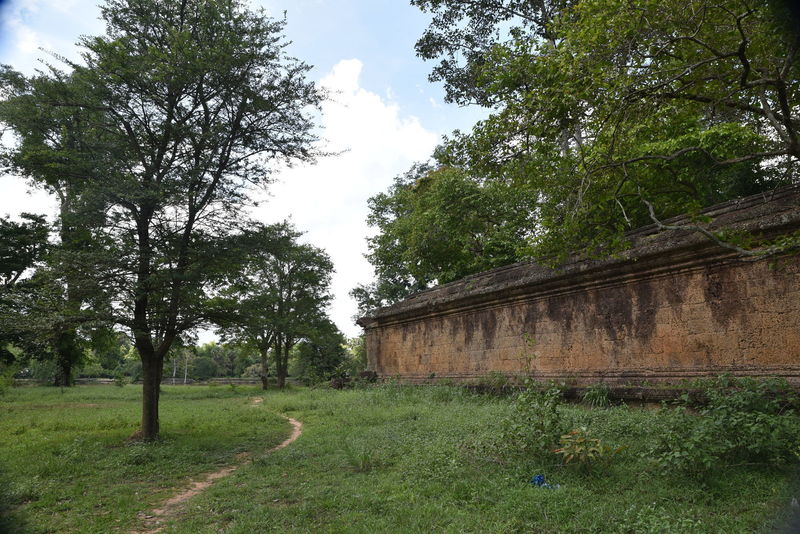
{"x": 153, "y": 521}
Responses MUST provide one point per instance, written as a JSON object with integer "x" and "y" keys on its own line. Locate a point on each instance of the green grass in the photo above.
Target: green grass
{"x": 389, "y": 459}
{"x": 66, "y": 464}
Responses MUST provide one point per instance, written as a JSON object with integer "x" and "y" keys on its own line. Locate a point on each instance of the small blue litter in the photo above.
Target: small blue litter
{"x": 539, "y": 482}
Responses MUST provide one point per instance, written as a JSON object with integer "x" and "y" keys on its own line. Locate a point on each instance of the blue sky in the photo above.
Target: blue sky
{"x": 384, "y": 115}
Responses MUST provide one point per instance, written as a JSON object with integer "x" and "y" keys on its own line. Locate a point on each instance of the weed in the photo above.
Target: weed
{"x": 597, "y": 395}
{"x": 535, "y": 423}
{"x": 740, "y": 421}
{"x": 588, "y": 453}
{"x": 652, "y": 519}
{"x": 361, "y": 458}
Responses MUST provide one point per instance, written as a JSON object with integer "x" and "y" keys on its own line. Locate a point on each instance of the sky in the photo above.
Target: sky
{"x": 383, "y": 116}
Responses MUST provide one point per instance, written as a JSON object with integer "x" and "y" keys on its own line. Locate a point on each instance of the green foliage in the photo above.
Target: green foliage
{"x": 597, "y": 395}
{"x": 588, "y": 453}
{"x": 362, "y": 458}
{"x": 417, "y": 445}
{"x": 7, "y": 373}
{"x": 599, "y": 107}
{"x": 322, "y": 355}
{"x": 739, "y": 421}
{"x": 535, "y": 424}
{"x": 494, "y": 382}
{"x": 203, "y": 368}
{"x": 439, "y": 224}
{"x": 23, "y": 244}
{"x": 119, "y": 379}
{"x": 654, "y": 519}
{"x": 278, "y": 299}
{"x": 168, "y": 120}
{"x": 68, "y": 450}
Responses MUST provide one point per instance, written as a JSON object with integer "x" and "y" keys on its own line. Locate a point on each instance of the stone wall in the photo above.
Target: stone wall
{"x": 673, "y": 306}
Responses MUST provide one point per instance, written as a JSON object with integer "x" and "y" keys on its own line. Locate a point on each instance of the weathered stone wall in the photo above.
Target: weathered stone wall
{"x": 675, "y": 306}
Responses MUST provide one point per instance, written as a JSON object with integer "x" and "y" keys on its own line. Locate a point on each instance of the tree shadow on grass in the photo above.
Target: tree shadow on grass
{"x": 9, "y": 501}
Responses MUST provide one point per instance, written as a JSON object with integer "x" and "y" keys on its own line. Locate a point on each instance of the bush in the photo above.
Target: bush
{"x": 535, "y": 424}
{"x": 119, "y": 378}
{"x": 740, "y": 421}
{"x": 7, "y": 373}
{"x": 43, "y": 371}
{"x": 588, "y": 453}
{"x": 494, "y": 382}
{"x": 93, "y": 370}
{"x": 133, "y": 369}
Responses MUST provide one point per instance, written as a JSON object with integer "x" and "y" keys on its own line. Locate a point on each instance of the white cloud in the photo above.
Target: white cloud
{"x": 32, "y": 26}
{"x": 18, "y": 197}
{"x": 329, "y": 200}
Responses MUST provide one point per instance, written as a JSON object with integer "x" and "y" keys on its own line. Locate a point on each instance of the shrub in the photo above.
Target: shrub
{"x": 741, "y": 421}
{"x": 7, "y": 373}
{"x": 493, "y": 382}
{"x": 119, "y": 379}
{"x": 579, "y": 448}
{"x": 535, "y": 424}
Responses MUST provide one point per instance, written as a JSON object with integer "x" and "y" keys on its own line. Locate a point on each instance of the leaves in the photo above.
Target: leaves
{"x": 597, "y": 105}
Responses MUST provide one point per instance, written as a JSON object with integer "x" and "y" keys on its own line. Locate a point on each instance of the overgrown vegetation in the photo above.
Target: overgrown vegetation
{"x": 597, "y": 395}
{"x": 603, "y": 116}
{"x": 738, "y": 421}
{"x": 438, "y": 450}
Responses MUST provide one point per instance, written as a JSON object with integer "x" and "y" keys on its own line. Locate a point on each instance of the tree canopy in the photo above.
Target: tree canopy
{"x": 189, "y": 104}
{"x": 605, "y": 116}
{"x": 279, "y": 297}
{"x": 602, "y": 108}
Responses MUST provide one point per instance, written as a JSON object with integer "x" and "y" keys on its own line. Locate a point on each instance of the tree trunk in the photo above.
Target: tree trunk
{"x": 264, "y": 368}
{"x": 67, "y": 354}
{"x": 279, "y": 362}
{"x": 152, "y": 368}
{"x": 68, "y": 351}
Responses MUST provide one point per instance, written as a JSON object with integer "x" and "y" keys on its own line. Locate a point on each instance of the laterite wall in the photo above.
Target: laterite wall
{"x": 676, "y": 306}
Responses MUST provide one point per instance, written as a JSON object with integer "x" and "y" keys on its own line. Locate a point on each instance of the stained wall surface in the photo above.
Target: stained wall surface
{"x": 676, "y": 307}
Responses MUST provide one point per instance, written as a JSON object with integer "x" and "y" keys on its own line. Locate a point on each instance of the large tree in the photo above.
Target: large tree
{"x": 615, "y": 114}
{"x": 320, "y": 355}
{"x": 195, "y": 101}
{"x": 58, "y": 149}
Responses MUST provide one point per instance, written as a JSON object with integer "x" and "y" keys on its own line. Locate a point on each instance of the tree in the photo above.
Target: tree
{"x": 60, "y": 151}
{"x": 279, "y": 297}
{"x": 319, "y": 356}
{"x": 195, "y": 102}
{"x": 439, "y": 224}
{"x": 23, "y": 245}
{"x": 616, "y": 114}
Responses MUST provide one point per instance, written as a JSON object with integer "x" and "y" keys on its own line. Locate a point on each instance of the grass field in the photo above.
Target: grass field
{"x": 388, "y": 459}
{"x": 65, "y": 464}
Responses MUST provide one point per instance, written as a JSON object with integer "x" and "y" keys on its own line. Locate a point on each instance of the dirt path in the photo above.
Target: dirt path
{"x": 154, "y": 519}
